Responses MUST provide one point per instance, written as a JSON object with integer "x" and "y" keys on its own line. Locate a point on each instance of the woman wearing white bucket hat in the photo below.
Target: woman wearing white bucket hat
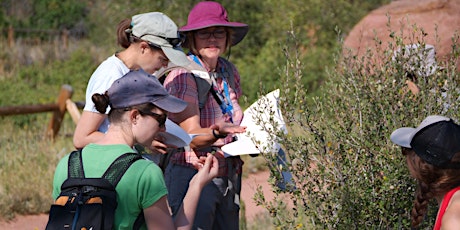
{"x": 209, "y": 34}
{"x": 432, "y": 152}
{"x": 150, "y": 41}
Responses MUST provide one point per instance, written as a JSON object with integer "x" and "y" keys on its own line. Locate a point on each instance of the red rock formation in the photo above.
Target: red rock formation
{"x": 439, "y": 19}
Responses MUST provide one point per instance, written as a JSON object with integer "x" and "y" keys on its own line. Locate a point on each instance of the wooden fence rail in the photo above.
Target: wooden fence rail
{"x": 63, "y": 104}
{"x": 63, "y": 34}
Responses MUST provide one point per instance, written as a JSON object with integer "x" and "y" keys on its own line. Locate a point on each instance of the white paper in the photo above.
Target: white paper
{"x": 259, "y": 111}
{"x": 175, "y": 136}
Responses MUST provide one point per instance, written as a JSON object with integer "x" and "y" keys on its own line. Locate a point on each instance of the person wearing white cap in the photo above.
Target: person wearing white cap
{"x": 150, "y": 41}
{"x": 139, "y": 106}
{"x": 432, "y": 152}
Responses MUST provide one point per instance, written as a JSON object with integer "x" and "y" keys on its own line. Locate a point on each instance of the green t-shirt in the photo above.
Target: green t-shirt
{"x": 140, "y": 187}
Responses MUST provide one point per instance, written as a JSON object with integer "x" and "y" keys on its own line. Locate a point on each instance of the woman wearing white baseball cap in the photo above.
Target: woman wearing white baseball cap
{"x": 150, "y": 41}
{"x": 432, "y": 152}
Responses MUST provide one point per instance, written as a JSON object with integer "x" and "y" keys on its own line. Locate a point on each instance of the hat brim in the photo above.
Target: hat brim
{"x": 239, "y": 29}
{"x": 171, "y": 104}
{"x": 176, "y": 56}
{"x": 403, "y": 136}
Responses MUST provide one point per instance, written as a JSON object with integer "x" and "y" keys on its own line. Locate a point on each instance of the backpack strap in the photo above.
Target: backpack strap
{"x": 113, "y": 173}
{"x": 203, "y": 84}
{"x": 119, "y": 166}
{"x": 116, "y": 171}
{"x": 203, "y": 87}
{"x": 228, "y": 73}
{"x": 75, "y": 165}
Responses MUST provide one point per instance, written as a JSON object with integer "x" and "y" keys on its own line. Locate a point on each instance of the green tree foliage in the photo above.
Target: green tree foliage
{"x": 44, "y": 14}
{"x": 60, "y": 14}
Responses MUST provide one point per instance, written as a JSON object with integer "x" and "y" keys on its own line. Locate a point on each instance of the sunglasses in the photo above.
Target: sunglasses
{"x": 220, "y": 33}
{"x": 160, "y": 118}
{"x": 174, "y": 42}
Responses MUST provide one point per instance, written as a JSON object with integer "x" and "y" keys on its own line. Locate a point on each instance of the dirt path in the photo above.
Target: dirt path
{"x": 249, "y": 186}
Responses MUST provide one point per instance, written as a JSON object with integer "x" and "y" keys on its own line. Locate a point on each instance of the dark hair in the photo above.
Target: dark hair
{"x": 190, "y": 40}
{"x": 124, "y": 36}
{"x": 101, "y": 102}
{"x": 432, "y": 182}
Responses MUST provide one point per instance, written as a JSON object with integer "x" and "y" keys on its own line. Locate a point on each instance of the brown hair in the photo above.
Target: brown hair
{"x": 124, "y": 36}
{"x": 102, "y": 101}
{"x": 432, "y": 182}
{"x": 190, "y": 41}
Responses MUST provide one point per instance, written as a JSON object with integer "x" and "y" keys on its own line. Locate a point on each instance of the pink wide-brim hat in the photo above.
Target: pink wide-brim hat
{"x": 208, "y": 14}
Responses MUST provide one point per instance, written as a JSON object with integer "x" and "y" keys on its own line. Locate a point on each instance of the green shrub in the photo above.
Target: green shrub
{"x": 347, "y": 173}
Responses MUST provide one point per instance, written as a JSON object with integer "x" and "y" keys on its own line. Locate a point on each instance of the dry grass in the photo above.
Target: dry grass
{"x": 27, "y": 162}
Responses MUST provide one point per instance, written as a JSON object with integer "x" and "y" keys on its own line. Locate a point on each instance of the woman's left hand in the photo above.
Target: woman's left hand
{"x": 208, "y": 170}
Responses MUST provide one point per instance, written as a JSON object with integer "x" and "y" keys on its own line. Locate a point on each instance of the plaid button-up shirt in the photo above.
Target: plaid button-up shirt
{"x": 182, "y": 84}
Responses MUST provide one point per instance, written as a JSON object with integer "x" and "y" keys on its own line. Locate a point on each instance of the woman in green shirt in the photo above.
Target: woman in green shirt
{"x": 139, "y": 104}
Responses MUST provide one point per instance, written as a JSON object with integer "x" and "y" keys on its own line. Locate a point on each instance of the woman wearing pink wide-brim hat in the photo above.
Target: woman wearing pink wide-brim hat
{"x": 214, "y": 112}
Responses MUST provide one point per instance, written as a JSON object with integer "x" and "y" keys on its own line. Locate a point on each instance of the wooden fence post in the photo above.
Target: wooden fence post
{"x": 10, "y": 37}
{"x": 73, "y": 111}
{"x": 58, "y": 115}
{"x": 65, "y": 39}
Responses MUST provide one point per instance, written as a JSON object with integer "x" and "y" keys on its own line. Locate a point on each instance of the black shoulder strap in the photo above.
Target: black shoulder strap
{"x": 119, "y": 166}
{"x": 204, "y": 86}
{"x": 113, "y": 173}
{"x": 75, "y": 165}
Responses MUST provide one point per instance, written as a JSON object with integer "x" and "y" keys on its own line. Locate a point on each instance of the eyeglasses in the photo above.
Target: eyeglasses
{"x": 174, "y": 42}
{"x": 161, "y": 118}
{"x": 221, "y": 33}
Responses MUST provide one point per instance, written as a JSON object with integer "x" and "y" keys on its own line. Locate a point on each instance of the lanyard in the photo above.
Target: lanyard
{"x": 222, "y": 98}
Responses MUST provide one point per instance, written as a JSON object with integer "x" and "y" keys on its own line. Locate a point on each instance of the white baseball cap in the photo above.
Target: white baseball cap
{"x": 159, "y": 30}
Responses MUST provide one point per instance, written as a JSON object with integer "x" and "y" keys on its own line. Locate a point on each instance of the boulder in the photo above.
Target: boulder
{"x": 438, "y": 19}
